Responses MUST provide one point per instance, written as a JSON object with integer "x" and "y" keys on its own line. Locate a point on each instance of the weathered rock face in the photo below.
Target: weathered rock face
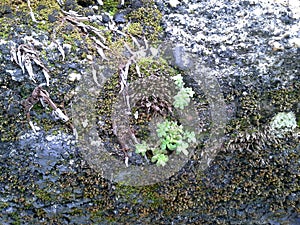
{"x": 251, "y": 48}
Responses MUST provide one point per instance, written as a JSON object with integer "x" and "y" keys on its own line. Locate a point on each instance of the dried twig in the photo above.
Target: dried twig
{"x": 134, "y": 55}
{"x": 76, "y": 19}
{"x": 40, "y": 94}
{"x": 31, "y": 12}
{"x": 23, "y": 56}
{"x": 61, "y": 50}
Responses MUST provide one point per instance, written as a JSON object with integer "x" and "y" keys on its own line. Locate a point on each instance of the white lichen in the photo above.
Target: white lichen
{"x": 283, "y": 123}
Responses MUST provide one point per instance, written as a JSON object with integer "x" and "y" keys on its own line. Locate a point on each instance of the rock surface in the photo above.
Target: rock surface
{"x": 252, "y": 49}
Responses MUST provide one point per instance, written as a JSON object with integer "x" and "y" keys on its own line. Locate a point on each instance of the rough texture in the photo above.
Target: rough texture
{"x": 252, "y": 47}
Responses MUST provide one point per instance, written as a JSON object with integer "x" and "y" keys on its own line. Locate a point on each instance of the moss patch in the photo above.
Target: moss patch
{"x": 149, "y": 18}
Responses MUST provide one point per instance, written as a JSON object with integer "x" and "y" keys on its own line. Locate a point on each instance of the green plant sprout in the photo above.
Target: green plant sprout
{"x": 183, "y": 97}
{"x": 141, "y": 148}
{"x": 178, "y": 81}
{"x": 172, "y": 138}
{"x": 160, "y": 159}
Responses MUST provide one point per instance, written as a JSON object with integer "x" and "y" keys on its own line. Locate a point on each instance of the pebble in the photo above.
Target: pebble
{"x": 89, "y": 57}
{"x": 67, "y": 48}
{"x": 276, "y": 46}
{"x": 174, "y": 3}
{"x": 74, "y": 77}
{"x": 295, "y": 42}
{"x": 105, "y": 18}
{"x": 16, "y": 74}
{"x": 120, "y": 17}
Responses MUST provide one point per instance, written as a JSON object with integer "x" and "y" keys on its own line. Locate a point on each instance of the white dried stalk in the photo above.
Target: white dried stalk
{"x": 137, "y": 68}
{"x": 94, "y": 73}
{"x": 57, "y": 112}
{"x": 99, "y": 43}
{"x": 46, "y": 75}
{"x": 124, "y": 75}
{"x": 75, "y": 18}
{"x": 128, "y": 49}
{"x": 146, "y": 43}
{"x": 31, "y": 12}
{"x": 32, "y": 126}
{"x": 97, "y": 32}
{"x": 60, "y": 2}
{"x": 61, "y": 50}
{"x": 135, "y": 41}
{"x": 13, "y": 53}
{"x": 101, "y": 53}
{"x": 23, "y": 57}
{"x": 123, "y": 80}
{"x": 29, "y": 69}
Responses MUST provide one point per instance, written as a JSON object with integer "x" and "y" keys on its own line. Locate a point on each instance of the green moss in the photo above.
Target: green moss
{"x": 110, "y": 6}
{"x": 146, "y": 194}
{"x": 285, "y": 99}
{"x": 70, "y": 37}
{"x": 44, "y": 26}
{"x": 3, "y": 205}
{"x": 159, "y": 67}
{"x": 43, "y": 5}
{"x": 148, "y": 18}
{"x": 5, "y": 28}
{"x": 96, "y": 25}
{"x": 135, "y": 29}
{"x": 148, "y": 66}
{"x": 43, "y": 195}
{"x": 16, "y": 217}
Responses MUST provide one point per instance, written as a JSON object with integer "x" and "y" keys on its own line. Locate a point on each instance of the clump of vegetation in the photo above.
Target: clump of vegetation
{"x": 135, "y": 29}
{"x": 173, "y": 137}
{"x": 111, "y": 6}
{"x": 150, "y": 19}
{"x": 183, "y": 97}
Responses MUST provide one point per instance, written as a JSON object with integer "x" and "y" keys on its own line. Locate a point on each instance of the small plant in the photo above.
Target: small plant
{"x": 141, "y": 148}
{"x": 183, "y": 97}
{"x": 160, "y": 159}
{"x": 172, "y": 138}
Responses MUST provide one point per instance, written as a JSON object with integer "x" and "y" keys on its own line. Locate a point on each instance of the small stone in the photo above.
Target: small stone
{"x": 174, "y": 3}
{"x": 16, "y": 75}
{"x": 295, "y": 42}
{"x": 74, "y": 76}
{"x": 67, "y": 48}
{"x": 50, "y": 138}
{"x": 181, "y": 58}
{"x": 120, "y": 18}
{"x": 105, "y": 18}
{"x": 136, "y": 4}
{"x": 89, "y": 57}
{"x": 276, "y": 46}
{"x": 52, "y": 18}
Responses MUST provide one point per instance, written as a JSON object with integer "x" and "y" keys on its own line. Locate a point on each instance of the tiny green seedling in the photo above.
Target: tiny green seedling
{"x": 183, "y": 97}
{"x": 172, "y": 138}
{"x": 141, "y": 148}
